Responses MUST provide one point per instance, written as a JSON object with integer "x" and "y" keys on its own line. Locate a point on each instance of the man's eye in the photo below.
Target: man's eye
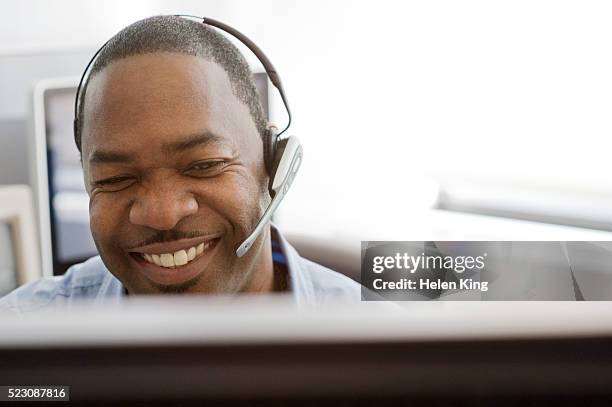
{"x": 115, "y": 183}
{"x": 206, "y": 168}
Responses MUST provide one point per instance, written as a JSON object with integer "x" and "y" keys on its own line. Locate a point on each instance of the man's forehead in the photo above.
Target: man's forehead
{"x": 158, "y": 61}
{"x": 165, "y": 101}
{"x": 153, "y": 78}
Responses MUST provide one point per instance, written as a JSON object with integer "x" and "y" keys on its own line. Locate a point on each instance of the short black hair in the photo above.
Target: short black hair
{"x": 181, "y": 35}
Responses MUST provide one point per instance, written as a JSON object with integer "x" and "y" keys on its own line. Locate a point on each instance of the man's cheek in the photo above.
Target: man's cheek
{"x": 101, "y": 221}
{"x": 244, "y": 211}
{"x": 234, "y": 197}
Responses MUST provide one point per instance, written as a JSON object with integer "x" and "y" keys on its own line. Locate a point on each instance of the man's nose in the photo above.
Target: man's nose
{"x": 162, "y": 208}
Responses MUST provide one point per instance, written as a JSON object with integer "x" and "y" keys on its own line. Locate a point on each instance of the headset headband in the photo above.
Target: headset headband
{"x": 270, "y": 70}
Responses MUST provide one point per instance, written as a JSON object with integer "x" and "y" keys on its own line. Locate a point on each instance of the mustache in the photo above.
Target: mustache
{"x": 164, "y": 236}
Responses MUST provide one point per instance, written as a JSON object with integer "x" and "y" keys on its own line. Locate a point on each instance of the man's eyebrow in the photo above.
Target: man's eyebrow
{"x": 190, "y": 142}
{"x": 100, "y": 157}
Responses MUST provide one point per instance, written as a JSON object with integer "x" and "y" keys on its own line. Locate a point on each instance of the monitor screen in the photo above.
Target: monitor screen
{"x": 70, "y": 234}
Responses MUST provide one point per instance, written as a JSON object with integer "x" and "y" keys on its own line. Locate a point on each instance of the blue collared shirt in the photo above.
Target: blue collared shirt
{"x": 309, "y": 283}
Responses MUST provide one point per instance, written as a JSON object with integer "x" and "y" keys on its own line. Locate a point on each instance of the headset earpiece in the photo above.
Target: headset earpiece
{"x": 269, "y": 146}
{"x": 279, "y": 150}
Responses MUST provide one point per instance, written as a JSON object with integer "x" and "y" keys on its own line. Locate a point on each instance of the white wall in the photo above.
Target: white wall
{"x": 39, "y": 25}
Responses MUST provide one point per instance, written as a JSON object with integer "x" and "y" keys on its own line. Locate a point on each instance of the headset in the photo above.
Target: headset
{"x": 282, "y": 157}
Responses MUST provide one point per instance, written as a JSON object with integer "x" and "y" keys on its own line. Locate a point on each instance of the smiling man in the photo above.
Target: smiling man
{"x": 170, "y": 131}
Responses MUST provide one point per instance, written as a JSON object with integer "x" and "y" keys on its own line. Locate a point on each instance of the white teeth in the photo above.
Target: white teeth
{"x": 179, "y": 258}
{"x": 191, "y": 253}
{"x": 167, "y": 260}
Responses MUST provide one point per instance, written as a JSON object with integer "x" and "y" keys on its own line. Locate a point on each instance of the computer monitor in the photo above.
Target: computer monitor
{"x": 200, "y": 350}
{"x": 8, "y": 263}
{"x": 57, "y": 178}
{"x": 17, "y": 238}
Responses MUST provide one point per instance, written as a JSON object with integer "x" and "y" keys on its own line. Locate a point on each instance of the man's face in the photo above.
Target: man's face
{"x": 173, "y": 166}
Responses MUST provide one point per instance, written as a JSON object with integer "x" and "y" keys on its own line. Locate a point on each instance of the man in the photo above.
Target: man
{"x": 170, "y": 131}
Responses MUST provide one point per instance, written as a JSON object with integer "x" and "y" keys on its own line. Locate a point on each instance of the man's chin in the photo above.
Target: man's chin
{"x": 183, "y": 288}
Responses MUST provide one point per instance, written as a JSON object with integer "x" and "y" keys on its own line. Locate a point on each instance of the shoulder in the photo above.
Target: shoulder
{"x": 313, "y": 283}
{"x": 82, "y": 280}
{"x": 329, "y": 285}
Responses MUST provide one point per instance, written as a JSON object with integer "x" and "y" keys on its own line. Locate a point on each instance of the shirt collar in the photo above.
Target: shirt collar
{"x": 300, "y": 282}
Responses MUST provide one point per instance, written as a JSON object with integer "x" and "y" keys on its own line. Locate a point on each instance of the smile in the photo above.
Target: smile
{"x": 178, "y": 258}
{"x": 176, "y": 262}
